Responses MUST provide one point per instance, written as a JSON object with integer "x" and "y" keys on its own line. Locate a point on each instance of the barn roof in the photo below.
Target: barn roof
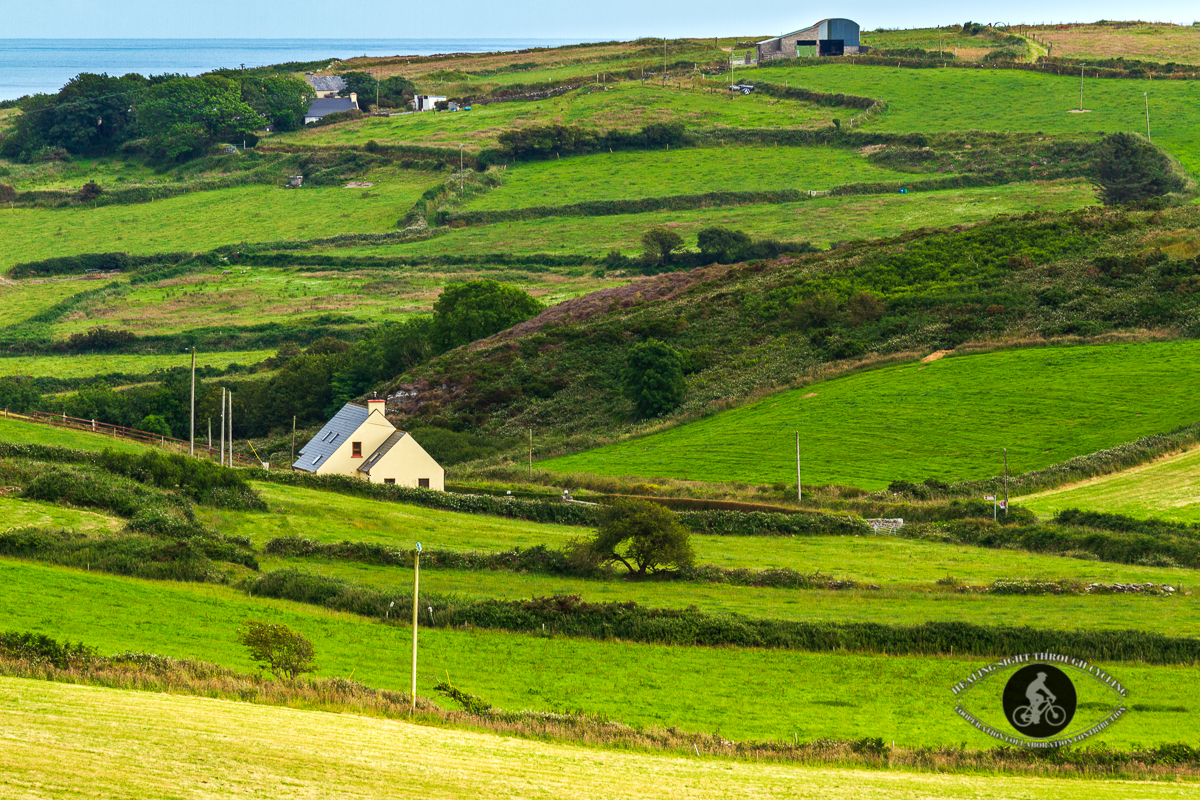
{"x": 336, "y": 431}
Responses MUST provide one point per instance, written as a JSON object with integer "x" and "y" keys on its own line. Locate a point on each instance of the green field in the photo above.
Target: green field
{"x": 204, "y": 220}
{"x": 821, "y": 221}
{"x": 946, "y": 40}
{"x": 1166, "y": 489}
{"x": 20, "y": 301}
{"x": 18, "y": 432}
{"x": 57, "y": 732}
{"x": 937, "y": 100}
{"x": 86, "y": 365}
{"x": 947, "y": 419}
{"x": 625, "y": 175}
{"x": 742, "y": 693}
{"x": 628, "y": 105}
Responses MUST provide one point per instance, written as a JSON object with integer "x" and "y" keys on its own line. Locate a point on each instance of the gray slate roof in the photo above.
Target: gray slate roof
{"x": 326, "y": 83}
{"x": 382, "y": 451}
{"x": 330, "y": 105}
{"x": 336, "y": 431}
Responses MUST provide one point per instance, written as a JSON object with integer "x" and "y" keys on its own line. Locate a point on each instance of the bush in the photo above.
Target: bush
{"x": 37, "y": 648}
{"x": 659, "y": 244}
{"x": 653, "y": 378}
{"x": 466, "y": 312}
{"x": 1131, "y": 169}
{"x": 277, "y": 647}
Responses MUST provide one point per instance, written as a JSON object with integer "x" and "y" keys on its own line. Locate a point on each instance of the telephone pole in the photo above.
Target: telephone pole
{"x": 1006, "y": 483}
{"x": 1147, "y": 96}
{"x": 222, "y": 462}
{"x": 192, "y": 415}
{"x": 416, "y": 605}
{"x": 799, "y": 486}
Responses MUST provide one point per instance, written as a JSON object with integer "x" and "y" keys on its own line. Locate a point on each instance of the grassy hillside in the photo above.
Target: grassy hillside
{"x": 1165, "y": 489}
{"x": 309, "y": 751}
{"x": 946, "y": 419}
{"x": 18, "y": 432}
{"x": 934, "y": 100}
{"x": 82, "y": 366}
{"x": 735, "y": 691}
{"x": 1146, "y": 41}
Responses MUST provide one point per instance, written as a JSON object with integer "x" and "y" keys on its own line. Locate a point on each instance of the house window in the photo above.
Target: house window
{"x": 356, "y": 449}
{"x": 389, "y": 480}
{"x": 422, "y": 483}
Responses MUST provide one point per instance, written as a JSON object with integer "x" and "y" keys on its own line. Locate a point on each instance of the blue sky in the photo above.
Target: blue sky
{"x": 615, "y": 19}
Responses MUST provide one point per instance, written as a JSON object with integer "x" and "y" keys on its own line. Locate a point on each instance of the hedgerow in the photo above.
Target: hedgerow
{"x": 570, "y": 616}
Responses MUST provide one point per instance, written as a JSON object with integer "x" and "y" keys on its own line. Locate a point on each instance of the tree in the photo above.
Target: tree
{"x": 722, "y": 245}
{"x": 644, "y": 536}
{"x": 396, "y": 92}
{"x": 280, "y": 99}
{"x": 658, "y": 244}
{"x": 278, "y": 648}
{"x": 466, "y": 312}
{"x": 185, "y": 116}
{"x": 91, "y": 113}
{"x": 153, "y": 423}
{"x": 19, "y": 394}
{"x": 653, "y": 378}
{"x": 363, "y": 85}
{"x": 1130, "y": 169}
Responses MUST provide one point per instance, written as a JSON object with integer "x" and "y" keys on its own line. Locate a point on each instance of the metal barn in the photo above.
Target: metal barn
{"x": 829, "y": 37}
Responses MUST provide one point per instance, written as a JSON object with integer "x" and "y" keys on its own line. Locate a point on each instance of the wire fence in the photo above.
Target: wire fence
{"x": 203, "y": 450}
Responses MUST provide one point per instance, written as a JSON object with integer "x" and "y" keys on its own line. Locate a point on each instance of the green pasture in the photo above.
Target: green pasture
{"x": 20, "y": 301}
{"x": 60, "y": 731}
{"x": 946, "y": 40}
{"x": 742, "y": 693}
{"x": 88, "y": 364}
{"x": 627, "y": 105}
{"x": 19, "y": 432}
{"x": 255, "y": 295}
{"x": 18, "y": 513}
{"x": 821, "y": 221}
{"x": 630, "y": 175}
{"x": 204, "y": 220}
{"x": 108, "y": 171}
{"x": 947, "y": 419}
{"x": 1165, "y": 489}
{"x": 987, "y": 99}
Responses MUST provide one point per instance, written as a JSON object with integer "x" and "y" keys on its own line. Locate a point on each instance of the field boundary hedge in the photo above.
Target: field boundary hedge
{"x": 1045, "y": 65}
{"x": 569, "y": 616}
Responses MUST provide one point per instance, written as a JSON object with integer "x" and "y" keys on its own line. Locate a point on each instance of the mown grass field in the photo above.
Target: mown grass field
{"x": 629, "y": 175}
{"x": 204, "y": 220}
{"x": 947, "y": 419}
{"x": 303, "y": 753}
{"x": 821, "y": 221}
{"x": 625, "y": 105}
{"x": 20, "y": 301}
{"x": 949, "y": 40}
{"x": 1166, "y": 489}
{"x": 86, "y": 365}
{"x": 985, "y": 99}
{"x": 1144, "y": 41}
{"x": 742, "y": 693}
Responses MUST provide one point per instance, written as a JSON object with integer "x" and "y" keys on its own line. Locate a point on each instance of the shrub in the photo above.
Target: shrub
{"x": 1131, "y": 169}
{"x": 277, "y": 647}
{"x": 466, "y": 312}
{"x": 90, "y": 191}
{"x": 37, "y": 648}
{"x": 659, "y": 244}
{"x": 653, "y": 378}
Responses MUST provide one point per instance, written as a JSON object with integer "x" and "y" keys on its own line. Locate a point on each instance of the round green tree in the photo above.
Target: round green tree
{"x": 1130, "y": 169}
{"x": 466, "y": 312}
{"x": 654, "y": 378}
{"x": 643, "y": 536}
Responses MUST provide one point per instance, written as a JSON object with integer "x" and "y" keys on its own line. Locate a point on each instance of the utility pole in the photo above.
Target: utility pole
{"x": 1006, "y": 483}
{"x": 460, "y": 172}
{"x": 1081, "y": 66}
{"x": 222, "y": 462}
{"x": 293, "y": 461}
{"x": 1147, "y": 96}
{"x": 192, "y": 415}
{"x": 664, "y": 80}
{"x": 230, "y": 427}
{"x": 416, "y": 604}
{"x": 531, "y": 452}
{"x": 799, "y": 486}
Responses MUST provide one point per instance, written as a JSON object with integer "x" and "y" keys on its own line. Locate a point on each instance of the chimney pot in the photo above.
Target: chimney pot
{"x": 354, "y": 98}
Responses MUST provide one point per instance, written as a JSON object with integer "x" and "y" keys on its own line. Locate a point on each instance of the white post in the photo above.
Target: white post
{"x": 230, "y": 427}
{"x": 222, "y": 461}
{"x": 416, "y": 604}
{"x": 1147, "y": 96}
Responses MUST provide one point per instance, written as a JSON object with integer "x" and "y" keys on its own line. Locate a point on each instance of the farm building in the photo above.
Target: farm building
{"x": 330, "y": 105}
{"x": 829, "y": 37}
{"x": 325, "y": 85}
{"x": 361, "y": 442}
{"x": 426, "y": 102}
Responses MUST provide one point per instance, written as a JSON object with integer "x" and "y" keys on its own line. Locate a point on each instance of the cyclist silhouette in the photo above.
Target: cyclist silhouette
{"x": 1041, "y": 699}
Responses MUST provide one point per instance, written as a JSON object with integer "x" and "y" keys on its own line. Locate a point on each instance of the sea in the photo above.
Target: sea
{"x": 30, "y": 66}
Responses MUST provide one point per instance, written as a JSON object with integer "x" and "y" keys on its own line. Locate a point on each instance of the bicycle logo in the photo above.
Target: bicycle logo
{"x": 1039, "y": 700}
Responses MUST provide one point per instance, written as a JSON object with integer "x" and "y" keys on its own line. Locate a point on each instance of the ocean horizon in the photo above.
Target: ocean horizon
{"x": 31, "y": 66}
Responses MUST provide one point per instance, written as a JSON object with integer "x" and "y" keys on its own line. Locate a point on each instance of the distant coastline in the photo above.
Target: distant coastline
{"x": 29, "y": 66}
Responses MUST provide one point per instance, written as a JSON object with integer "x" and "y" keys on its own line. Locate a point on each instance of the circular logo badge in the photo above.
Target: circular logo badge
{"x": 1039, "y": 701}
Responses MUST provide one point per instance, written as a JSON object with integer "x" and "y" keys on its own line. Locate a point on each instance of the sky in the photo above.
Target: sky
{"x": 614, "y": 19}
